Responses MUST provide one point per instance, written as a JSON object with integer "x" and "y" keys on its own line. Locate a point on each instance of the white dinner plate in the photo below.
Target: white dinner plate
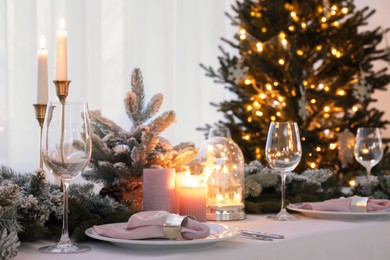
{"x": 218, "y": 232}
{"x": 338, "y": 215}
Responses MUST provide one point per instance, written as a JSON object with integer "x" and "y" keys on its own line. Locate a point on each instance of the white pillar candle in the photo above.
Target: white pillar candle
{"x": 42, "y": 90}
{"x": 61, "y": 54}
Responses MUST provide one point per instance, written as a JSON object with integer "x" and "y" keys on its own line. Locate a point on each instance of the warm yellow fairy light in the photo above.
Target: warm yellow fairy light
{"x": 259, "y": 113}
{"x": 278, "y": 114}
{"x": 304, "y": 83}
{"x": 282, "y": 35}
{"x": 326, "y": 115}
{"x": 313, "y": 165}
{"x": 313, "y": 101}
{"x": 249, "y": 119}
{"x": 268, "y": 86}
{"x": 256, "y": 104}
{"x": 248, "y": 82}
{"x": 262, "y": 96}
{"x": 336, "y": 24}
{"x": 291, "y": 28}
{"x": 273, "y": 118}
{"x": 303, "y": 25}
{"x": 318, "y": 149}
{"x": 334, "y": 8}
{"x": 259, "y": 47}
{"x": 276, "y": 83}
{"x": 321, "y": 86}
{"x": 341, "y": 92}
{"x": 300, "y": 52}
{"x": 303, "y": 138}
{"x": 249, "y": 108}
{"x": 283, "y": 104}
{"x": 246, "y": 137}
{"x": 284, "y": 42}
{"x": 294, "y": 16}
{"x": 319, "y": 47}
{"x": 344, "y": 10}
{"x": 323, "y": 19}
{"x": 263, "y": 29}
{"x": 242, "y": 34}
{"x": 336, "y": 52}
{"x": 281, "y": 99}
{"x": 326, "y": 88}
{"x": 332, "y": 146}
{"x": 355, "y": 108}
{"x": 281, "y": 61}
{"x": 326, "y": 109}
{"x": 352, "y": 183}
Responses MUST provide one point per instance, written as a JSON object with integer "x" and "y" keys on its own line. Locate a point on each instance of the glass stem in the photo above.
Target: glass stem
{"x": 65, "y": 234}
{"x": 283, "y": 191}
{"x": 368, "y": 171}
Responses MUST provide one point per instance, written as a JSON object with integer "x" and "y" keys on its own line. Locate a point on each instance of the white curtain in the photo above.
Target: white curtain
{"x": 167, "y": 39}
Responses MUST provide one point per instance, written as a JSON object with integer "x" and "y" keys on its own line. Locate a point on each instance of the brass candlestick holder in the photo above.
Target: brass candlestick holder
{"x": 62, "y": 89}
{"x": 40, "y": 111}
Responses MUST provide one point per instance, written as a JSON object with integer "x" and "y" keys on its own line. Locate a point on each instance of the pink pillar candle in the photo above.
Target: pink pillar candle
{"x": 192, "y": 196}
{"x": 159, "y": 190}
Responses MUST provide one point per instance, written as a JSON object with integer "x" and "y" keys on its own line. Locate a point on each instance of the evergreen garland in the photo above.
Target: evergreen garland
{"x": 262, "y": 187}
{"x": 31, "y": 209}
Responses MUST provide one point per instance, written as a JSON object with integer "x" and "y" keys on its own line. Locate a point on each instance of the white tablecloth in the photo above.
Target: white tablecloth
{"x": 306, "y": 238}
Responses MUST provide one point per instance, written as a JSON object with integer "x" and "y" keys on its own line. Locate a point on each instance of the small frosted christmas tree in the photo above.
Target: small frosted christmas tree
{"x": 119, "y": 156}
{"x": 305, "y": 61}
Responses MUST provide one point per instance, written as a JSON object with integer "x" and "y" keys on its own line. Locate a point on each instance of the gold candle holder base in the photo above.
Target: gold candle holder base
{"x": 62, "y": 88}
{"x": 40, "y": 112}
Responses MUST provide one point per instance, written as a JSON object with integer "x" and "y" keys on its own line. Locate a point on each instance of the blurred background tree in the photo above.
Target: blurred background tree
{"x": 305, "y": 61}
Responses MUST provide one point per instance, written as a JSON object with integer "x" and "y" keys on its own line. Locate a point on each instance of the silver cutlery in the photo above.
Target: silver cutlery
{"x": 261, "y": 235}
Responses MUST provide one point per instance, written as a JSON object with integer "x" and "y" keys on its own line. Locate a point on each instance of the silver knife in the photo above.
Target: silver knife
{"x": 262, "y": 234}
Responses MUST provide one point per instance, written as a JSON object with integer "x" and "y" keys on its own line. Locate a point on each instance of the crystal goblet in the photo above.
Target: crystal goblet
{"x": 66, "y": 151}
{"x": 283, "y": 152}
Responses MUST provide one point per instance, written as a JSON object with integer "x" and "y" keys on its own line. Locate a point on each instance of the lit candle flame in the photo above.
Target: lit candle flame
{"x": 42, "y": 42}
{"x": 62, "y": 24}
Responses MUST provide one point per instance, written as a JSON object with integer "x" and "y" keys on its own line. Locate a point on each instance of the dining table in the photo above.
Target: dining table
{"x": 309, "y": 237}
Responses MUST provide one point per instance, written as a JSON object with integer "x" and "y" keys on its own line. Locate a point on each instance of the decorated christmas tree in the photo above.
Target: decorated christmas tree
{"x": 311, "y": 62}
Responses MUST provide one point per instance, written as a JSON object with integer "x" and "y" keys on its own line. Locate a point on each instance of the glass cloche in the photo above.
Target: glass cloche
{"x": 222, "y": 164}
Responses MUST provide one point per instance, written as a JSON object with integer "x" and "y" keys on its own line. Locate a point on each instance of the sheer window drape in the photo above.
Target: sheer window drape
{"x": 167, "y": 39}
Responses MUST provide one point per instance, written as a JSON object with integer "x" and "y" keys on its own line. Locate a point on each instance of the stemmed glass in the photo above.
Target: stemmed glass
{"x": 283, "y": 152}
{"x": 368, "y": 147}
{"x": 66, "y": 151}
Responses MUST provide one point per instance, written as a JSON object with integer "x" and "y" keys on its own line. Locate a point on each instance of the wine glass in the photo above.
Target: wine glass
{"x": 283, "y": 152}
{"x": 66, "y": 151}
{"x": 368, "y": 147}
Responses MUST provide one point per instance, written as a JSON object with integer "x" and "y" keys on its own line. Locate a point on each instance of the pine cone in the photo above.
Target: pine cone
{"x": 113, "y": 191}
{"x": 132, "y": 191}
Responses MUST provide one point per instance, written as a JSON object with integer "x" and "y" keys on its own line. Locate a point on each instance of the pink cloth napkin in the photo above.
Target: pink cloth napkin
{"x": 343, "y": 205}
{"x": 149, "y": 224}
